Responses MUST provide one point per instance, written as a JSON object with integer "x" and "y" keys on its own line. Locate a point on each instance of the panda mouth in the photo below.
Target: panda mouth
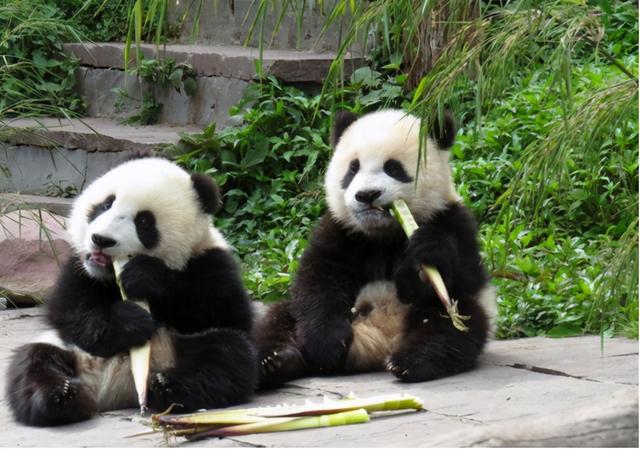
{"x": 99, "y": 258}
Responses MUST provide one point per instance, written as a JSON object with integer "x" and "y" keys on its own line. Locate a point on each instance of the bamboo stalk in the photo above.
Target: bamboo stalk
{"x": 402, "y": 213}
{"x": 388, "y": 402}
{"x": 140, "y": 357}
{"x": 357, "y": 416}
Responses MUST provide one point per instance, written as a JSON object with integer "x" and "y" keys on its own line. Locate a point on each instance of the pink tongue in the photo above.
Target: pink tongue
{"x": 101, "y": 258}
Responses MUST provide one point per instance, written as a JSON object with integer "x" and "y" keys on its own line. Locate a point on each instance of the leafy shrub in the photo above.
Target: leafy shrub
{"x": 36, "y": 77}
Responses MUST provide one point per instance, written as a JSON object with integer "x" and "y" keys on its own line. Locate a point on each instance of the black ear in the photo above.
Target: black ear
{"x": 208, "y": 193}
{"x": 444, "y": 132}
{"x": 342, "y": 122}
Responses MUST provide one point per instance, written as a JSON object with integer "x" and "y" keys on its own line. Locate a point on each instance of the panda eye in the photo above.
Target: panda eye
{"x": 106, "y": 205}
{"x": 395, "y": 169}
{"x": 145, "y": 220}
{"x": 354, "y": 166}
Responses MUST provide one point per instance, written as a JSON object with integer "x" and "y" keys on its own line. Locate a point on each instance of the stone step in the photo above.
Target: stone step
{"x": 20, "y": 201}
{"x": 58, "y": 157}
{"x": 223, "y": 74}
{"x": 229, "y": 61}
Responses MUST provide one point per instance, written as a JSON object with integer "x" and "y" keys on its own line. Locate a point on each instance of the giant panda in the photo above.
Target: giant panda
{"x": 358, "y": 302}
{"x": 199, "y": 318}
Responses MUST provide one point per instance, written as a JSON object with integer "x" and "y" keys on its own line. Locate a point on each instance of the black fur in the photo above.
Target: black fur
{"x": 444, "y": 132}
{"x": 146, "y": 229}
{"x": 396, "y": 170}
{"x": 43, "y": 389}
{"x": 342, "y": 121}
{"x": 204, "y": 306}
{"x": 354, "y": 166}
{"x": 316, "y": 323}
{"x": 208, "y": 193}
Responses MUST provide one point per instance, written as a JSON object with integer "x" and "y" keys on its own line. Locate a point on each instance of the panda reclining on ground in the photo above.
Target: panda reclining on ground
{"x": 358, "y": 303}
{"x": 200, "y": 318}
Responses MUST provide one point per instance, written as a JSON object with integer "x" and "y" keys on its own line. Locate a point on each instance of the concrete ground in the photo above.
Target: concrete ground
{"x": 528, "y": 392}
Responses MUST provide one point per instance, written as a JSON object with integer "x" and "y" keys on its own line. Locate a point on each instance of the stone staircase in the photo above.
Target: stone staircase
{"x": 60, "y": 156}
{"x": 44, "y": 162}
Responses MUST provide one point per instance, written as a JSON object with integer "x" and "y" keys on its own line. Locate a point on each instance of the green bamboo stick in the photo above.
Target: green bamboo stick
{"x": 402, "y": 213}
{"x": 357, "y": 416}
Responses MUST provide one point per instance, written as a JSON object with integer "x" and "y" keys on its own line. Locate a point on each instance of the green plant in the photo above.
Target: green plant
{"x": 36, "y": 77}
{"x": 153, "y": 74}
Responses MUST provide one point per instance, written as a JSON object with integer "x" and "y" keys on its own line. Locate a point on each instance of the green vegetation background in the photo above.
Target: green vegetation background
{"x": 547, "y": 161}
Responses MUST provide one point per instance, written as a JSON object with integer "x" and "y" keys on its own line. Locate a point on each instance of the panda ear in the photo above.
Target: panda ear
{"x": 208, "y": 193}
{"x": 444, "y": 132}
{"x": 342, "y": 122}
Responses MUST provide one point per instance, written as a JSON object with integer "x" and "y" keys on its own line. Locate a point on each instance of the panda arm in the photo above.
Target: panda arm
{"x": 323, "y": 294}
{"x": 207, "y": 293}
{"x": 90, "y": 314}
{"x": 213, "y": 295}
{"x": 449, "y": 242}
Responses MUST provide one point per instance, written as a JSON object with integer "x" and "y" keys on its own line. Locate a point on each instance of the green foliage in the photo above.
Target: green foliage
{"x": 36, "y": 77}
{"x": 154, "y": 74}
{"x": 97, "y": 20}
{"x": 547, "y": 154}
{"x": 270, "y": 170}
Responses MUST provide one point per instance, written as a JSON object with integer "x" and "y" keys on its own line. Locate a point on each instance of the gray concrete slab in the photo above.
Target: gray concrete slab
{"x": 230, "y": 61}
{"x": 213, "y": 97}
{"x": 529, "y": 392}
{"x": 91, "y": 134}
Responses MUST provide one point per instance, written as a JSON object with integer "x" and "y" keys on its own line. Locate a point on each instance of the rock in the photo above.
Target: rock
{"x": 33, "y": 244}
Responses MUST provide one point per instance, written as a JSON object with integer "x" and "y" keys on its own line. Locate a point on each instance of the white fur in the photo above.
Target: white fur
{"x": 153, "y": 184}
{"x": 373, "y": 139}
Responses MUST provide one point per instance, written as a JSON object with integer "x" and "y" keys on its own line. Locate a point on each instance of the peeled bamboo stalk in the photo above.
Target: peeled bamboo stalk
{"x": 402, "y": 213}
{"x": 140, "y": 357}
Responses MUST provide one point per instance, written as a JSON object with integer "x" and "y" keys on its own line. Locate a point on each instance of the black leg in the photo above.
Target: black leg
{"x": 279, "y": 357}
{"x": 216, "y": 368}
{"x": 432, "y": 348}
{"x": 43, "y": 389}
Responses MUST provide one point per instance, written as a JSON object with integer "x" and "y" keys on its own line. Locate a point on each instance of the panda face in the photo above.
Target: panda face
{"x": 375, "y": 163}
{"x": 146, "y": 206}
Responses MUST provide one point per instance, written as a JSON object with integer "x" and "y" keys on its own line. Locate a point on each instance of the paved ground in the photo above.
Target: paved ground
{"x": 529, "y": 392}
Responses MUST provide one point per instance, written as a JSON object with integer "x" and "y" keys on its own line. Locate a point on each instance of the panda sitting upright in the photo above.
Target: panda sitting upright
{"x": 199, "y": 319}
{"x": 358, "y": 302}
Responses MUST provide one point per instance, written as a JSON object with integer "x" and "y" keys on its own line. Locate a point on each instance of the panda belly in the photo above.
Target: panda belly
{"x": 109, "y": 380}
{"x": 379, "y": 320}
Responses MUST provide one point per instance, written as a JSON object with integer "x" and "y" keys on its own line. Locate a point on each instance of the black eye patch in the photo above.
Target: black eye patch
{"x": 354, "y": 166}
{"x": 146, "y": 229}
{"x": 101, "y": 207}
{"x": 396, "y": 170}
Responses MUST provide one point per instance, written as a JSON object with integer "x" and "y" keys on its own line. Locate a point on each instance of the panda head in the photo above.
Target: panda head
{"x": 374, "y": 163}
{"x": 145, "y": 206}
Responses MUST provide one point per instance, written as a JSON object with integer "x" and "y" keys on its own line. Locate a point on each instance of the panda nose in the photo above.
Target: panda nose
{"x": 368, "y": 196}
{"x": 101, "y": 241}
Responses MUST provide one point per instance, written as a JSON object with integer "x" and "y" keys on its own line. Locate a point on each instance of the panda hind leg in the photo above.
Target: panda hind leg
{"x": 43, "y": 388}
{"x": 431, "y": 348}
{"x": 279, "y": 357}
{"x": 213, "y": 369}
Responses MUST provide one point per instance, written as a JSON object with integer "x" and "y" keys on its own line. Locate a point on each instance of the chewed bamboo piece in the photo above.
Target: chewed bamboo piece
{"x": 402, "y": 213}
{"x": 281, "y": 417}
{"x": 141, "y": 356}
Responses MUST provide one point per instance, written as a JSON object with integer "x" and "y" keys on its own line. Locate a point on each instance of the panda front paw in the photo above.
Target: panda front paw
{"x": 424, "y": 248}
{"x": 131, "y": 326}
{"x": 146, "y": 277}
